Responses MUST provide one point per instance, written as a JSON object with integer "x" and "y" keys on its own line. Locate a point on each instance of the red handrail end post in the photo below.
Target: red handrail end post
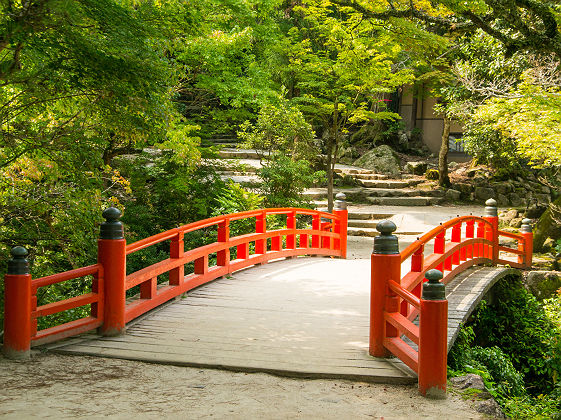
{"x": 433, "y": 332}
{"x": 112, "y": 256}
{"x": 528, "y": 244}
{"x": 341, "y": 223}
{"x": 17, "y": 306}
{"x": 491, "y": 215}
{"x": 385, "y": 266}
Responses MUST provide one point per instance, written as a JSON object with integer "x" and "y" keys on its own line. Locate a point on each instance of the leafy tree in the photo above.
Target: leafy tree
{"x": 337, "y": 64}
{"x": 280, "y": 128}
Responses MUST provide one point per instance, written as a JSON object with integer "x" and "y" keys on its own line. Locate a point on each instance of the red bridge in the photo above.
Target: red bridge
{"x": 406, "y": 316}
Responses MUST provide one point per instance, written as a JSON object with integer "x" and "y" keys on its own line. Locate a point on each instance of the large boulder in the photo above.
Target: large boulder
{"x": 381, "y": 159}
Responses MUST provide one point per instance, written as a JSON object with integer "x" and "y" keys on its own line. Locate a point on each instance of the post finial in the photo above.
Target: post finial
{"x": 433, "y": 289}
{"x": 112, "y": 228}
{"x": 526, "y": 226}
{"x": 18, "y": 264}
{"x": 386, "y": 243}
{"x": 491, "y": 208}
{"x": 340, "y": 201}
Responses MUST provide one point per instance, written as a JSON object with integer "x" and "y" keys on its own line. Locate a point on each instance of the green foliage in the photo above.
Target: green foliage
{"x": 280, "y": 128}
{"x": 235, "y": 199}
{"x": 517, "y": 324}
{"x": 513, "y": 344}
{"x": 431, "y": 174}
{"x": 284, "y": 180}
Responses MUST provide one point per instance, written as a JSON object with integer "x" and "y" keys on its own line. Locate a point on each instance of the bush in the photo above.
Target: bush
{"x": 431, "y": 174}
{"x": 284, "y": 181}
{"x": 517, "y": 324}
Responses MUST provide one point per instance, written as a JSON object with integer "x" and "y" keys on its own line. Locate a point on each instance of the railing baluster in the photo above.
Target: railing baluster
{"x": 261, "y": 227}
{"x": 176, "y": 250}
{"x": 470, "y": 231}
{"x": 223, "y": 256}
{"x": 479, "y": 248}
{"x": 316, "y": 226}
{"x": 201, "y": 265}
{"x": 439, "y": 246}
{"x": 456, "y": 238}
{"x": 291, "y": 224}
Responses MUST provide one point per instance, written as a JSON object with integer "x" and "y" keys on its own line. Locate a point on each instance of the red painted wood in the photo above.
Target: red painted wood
{"x": 112, "y": 256}
{"x": 17, "y": 315}
{"x": 433, "y": 331}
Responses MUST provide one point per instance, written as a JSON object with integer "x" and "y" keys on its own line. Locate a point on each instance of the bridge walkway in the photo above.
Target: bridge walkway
{"x": 304, "y": 317}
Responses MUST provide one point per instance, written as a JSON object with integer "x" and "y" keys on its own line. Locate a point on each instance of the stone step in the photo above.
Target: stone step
{"x": 368, "y": 216}
{"x": 370, "y": 223}
{"x": 404, "y": 201}
{"x": 237, "y": 154}
{"x": 377, "y": 183}
{"x": 402, "y": 192}
{"x": 371, "y": 232}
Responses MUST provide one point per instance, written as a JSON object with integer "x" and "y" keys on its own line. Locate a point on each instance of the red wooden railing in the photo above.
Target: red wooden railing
{"x": 110, "y": 310}
{"x": 397, "y": 300}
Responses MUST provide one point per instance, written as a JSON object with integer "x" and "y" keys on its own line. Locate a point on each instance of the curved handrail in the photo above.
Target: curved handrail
{"x": 431, "y": 234}
{"x": 216, "y": 220}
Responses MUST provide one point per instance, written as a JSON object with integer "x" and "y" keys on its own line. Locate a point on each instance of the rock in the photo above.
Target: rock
{"x": 502, "y": 200}
{"x": 543, "y": 284}
{"x": 543, "y": 199}
{"x": 470, "y": 380}
{"x": 491, "y": 408}
{"x": 484, "y": 193}
{"x": 381, "y": 159}
{"x": 509, "y": 215}
{"x": 480, "y": 180}
{"x": 535, "y": 211}
{"x": 416, "y": 168}
{"x": 548, "y": 244}
{"x": 503, "y": 188}
{"x": 463, "y": 187}
{"x": 516, "y": 222}
{"x": 515, "y": 199}
{"x": 452, "y": 195}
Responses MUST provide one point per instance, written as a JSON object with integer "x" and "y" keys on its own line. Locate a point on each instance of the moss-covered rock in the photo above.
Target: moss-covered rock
{"x": 547, "y": 226}
{"x": 382, "y": 159}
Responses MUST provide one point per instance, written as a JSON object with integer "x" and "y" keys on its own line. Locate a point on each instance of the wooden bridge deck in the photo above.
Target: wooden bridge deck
{"x": 303, "y": 317}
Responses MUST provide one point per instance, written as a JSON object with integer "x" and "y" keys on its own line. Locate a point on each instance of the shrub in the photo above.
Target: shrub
{"x": 284, "y": 181}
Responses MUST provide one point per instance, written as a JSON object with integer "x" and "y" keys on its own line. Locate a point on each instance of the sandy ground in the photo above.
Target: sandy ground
{"x": 56, "y": 386}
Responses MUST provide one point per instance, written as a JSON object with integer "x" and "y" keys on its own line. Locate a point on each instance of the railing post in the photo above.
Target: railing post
{"x": 439, "y": 246}
{"x": 261, "y": 227}
{"x": 433, "y": 337}
{"x": 291, "y": 225}
{"x": 176, "y": 250}
{"x": 478, "y": 251}
{"x": 528, "y": 245}
{"x": 492, "y": 216}
{"x": 456, "y": 238}
{"x": 17, "y": 306}
{"x": 385, "y": 266}
{"x": 470, "y": 233}
{"x": 341, "y": 223}
{"x": 223, "y": 235}
{"x": 111, "y": 254}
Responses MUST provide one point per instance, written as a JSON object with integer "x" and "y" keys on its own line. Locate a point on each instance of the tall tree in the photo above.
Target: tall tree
{"x": 337, "y": 65}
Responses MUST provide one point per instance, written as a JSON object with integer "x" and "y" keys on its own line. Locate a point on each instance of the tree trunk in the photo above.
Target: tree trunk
{"x": 331, "y": 158}
{"x": 548, "y": 225}
{"x": 443, "y": 179}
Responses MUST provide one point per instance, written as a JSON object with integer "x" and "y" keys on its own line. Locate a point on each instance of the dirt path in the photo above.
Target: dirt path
{"x": 54, "y": 386}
